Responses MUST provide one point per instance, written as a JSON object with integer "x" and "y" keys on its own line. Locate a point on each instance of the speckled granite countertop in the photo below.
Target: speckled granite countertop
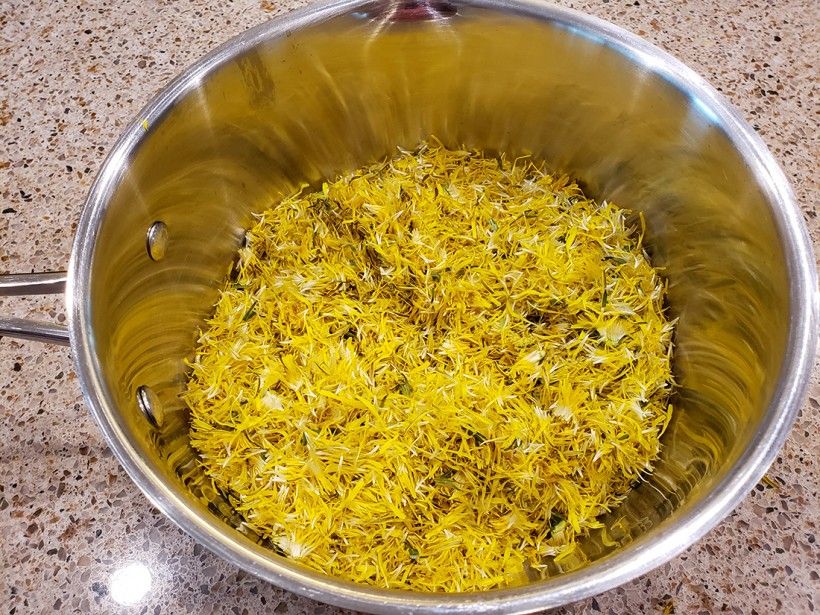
{"x": 72, "y": 74}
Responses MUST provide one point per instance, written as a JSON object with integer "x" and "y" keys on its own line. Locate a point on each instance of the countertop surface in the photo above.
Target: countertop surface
{"x": 76, "y": 536}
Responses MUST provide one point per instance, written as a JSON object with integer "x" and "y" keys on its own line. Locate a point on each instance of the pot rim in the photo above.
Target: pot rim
{"x": 642, "y": 555}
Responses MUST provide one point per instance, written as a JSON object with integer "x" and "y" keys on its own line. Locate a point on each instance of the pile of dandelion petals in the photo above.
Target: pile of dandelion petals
{"x": 436, "y": 373}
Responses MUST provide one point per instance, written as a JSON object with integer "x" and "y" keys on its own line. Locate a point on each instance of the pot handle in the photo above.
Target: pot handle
{"x": 20, "y": 284}
{"x": 411, "y": 10}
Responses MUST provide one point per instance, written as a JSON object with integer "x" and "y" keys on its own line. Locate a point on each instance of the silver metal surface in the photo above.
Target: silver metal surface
{"x": 23, "y": 329}
{"x": 21, "y": 284}
{"x": 150, "y": 406}
{"x": 156, "y": 240}
{"x": 337, "y": 85}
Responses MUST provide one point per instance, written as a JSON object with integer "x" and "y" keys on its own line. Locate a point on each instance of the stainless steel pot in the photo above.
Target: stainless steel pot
{"x": 339, "y": 84}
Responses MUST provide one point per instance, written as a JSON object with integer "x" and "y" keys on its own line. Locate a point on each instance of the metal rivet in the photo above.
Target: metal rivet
{"x": 148, "y": 402}
{"x": 156, "y": 240}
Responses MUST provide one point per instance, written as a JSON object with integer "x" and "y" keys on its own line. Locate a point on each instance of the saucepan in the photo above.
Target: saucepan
{"x": 340, "y": 84}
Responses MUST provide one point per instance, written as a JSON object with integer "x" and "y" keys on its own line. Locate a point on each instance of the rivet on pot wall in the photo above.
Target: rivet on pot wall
{"x": 148, "y": 402}
{"x": 156, "y": 240}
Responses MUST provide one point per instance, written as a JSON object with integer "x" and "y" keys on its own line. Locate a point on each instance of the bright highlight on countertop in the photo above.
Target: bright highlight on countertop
{"x": 130, "y": 584}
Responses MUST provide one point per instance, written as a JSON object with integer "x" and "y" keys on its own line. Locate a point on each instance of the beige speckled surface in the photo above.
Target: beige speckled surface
{"x": 73, "y": 73}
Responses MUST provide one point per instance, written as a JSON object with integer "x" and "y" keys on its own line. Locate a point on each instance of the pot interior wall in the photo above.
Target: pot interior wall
{"x": 347, "y": 91}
